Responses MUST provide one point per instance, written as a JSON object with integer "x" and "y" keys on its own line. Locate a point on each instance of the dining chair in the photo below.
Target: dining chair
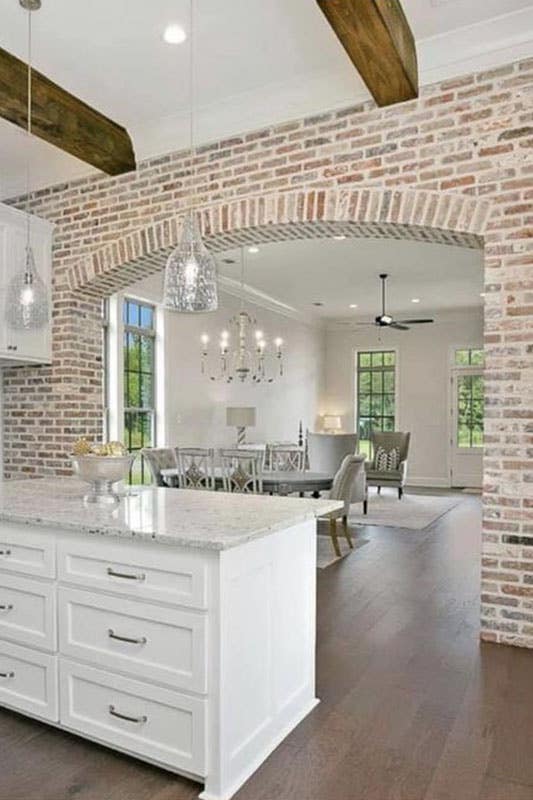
{"x": 159, "y": 458}
{"x": 242, "y": 471}
{"x": 256, "y": 446}
{"x": 285, "y": 458}
{"x": 349, "y": 486}
{"x": 196, "y": 468}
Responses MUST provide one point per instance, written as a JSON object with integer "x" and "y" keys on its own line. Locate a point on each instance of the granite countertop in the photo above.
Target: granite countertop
{"x": 184, "y": 518}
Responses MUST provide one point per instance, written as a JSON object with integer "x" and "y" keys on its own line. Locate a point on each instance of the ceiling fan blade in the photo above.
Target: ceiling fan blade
{"x": 365, "y": 323}
{"x": 414, "y": 321}
{"x": 398, "y": 326}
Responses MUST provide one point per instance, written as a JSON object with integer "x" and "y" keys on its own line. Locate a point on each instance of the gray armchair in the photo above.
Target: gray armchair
{"x": 159, "y": 458}
{"x": 327, "y": 450}
{"x": 397, "y": 477}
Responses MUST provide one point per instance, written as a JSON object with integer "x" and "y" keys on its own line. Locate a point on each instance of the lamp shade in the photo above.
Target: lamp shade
{"x": 240, "y": 417}
{"x": 332, "y": 422}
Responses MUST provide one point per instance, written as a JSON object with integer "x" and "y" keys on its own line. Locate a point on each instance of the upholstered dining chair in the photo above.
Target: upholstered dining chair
{"x": 242, "y": 471}
{"x": 285, "y": 457}
{"x": 380, "y": 471}
{"x": 349, "y": 486}
{"x": 196, "y": 468}
{"x": 159, "y": 458}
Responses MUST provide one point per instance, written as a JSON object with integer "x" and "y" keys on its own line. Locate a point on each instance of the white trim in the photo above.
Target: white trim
{"x": 436, "y": 483}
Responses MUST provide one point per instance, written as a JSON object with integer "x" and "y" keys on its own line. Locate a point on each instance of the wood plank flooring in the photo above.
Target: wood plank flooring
{"x": 413, "y": 706}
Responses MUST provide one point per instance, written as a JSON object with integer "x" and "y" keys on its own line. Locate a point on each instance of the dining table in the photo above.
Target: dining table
{"x": 280, "y": 482}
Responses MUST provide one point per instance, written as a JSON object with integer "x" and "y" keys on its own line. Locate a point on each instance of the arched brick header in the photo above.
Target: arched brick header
{"x": 455, "y": 219}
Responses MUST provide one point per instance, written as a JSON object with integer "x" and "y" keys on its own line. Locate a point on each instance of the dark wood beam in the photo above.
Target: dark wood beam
{"x": 62, "y": 120}
{"x": 379, "y": 41}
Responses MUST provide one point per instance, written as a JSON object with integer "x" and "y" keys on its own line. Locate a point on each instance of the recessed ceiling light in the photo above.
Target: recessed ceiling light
{"x": 253, "y": 249}
{"x": 174, "y": 34}
{"x": 353, "y": 305}
{"x": 415, "y": 299}
{"x": 482, "y": 294}
{"x": 339, "y": 237}
{"x": 317, "y": 303}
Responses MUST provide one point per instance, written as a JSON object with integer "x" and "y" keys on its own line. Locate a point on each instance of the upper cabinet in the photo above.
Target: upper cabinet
{"x": 23, "y": 346}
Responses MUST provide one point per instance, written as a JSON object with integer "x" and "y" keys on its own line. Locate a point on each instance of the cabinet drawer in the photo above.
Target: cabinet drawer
{"x": 26, "y": 552}
{"x": 28, "y": 681}
{"x": 27, "y": 612}
{"x": 145, "y": 720}
{"x": 146, "y": 572}
{"x": 150, "y": 642}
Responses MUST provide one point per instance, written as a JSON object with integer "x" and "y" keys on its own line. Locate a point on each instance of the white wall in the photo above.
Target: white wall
{"x": 195, "y": 406}
{"x": 423, "y": 374}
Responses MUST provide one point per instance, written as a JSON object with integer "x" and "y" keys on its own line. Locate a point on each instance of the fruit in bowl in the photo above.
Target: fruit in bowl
{"x": 101, "y": 466}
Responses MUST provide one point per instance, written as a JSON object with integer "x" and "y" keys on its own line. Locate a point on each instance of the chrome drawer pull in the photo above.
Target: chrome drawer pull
{"x": 137, "y": 720}
{"x": 5, "y": 552}
{"x": 112, "y": 635}
{"x": 140, "y": 577}
{"x": 8, "y": 607}
{"x": 7, "y": 674}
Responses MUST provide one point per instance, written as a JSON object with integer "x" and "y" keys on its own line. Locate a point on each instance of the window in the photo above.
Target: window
{"x": 470, "y": 410}
{"x": 469, "y": 357}
{"x": 376, "y": 395}
{"x": 139, "y": 382}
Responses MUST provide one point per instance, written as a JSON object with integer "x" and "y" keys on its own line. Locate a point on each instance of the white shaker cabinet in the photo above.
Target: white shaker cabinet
{"x": 32, "y": 346}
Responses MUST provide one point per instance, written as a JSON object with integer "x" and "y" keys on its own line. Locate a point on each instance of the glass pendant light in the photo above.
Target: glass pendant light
{"x": 191, "y": 272}
{"x": 27, "y": 305}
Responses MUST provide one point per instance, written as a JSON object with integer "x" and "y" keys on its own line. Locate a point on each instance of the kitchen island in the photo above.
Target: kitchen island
{"x": 178, "y": 627}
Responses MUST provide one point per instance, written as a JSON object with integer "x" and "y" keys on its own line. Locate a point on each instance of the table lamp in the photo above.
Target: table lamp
{"x": 332, "y": 423}
{"x": 240, "y": 418}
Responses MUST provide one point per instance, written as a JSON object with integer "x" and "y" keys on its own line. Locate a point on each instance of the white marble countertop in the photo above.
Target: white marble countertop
{"x": 184, "y": 518}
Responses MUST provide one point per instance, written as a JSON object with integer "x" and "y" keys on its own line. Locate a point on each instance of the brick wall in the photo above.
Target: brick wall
{"x": 471, "y": 136}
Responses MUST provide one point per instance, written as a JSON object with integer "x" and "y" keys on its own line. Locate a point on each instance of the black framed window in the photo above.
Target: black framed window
{"x": 376, "y": 394}
{"x": 139, "y": 382}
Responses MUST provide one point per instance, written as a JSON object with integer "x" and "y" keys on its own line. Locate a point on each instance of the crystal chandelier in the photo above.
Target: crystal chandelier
{"x": 249, "y": 359}
{"x": 191, "y": 273}
{"x": 27, "y": 295}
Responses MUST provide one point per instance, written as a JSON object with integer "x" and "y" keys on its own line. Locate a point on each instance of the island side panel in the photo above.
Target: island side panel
{"x": 266, "y": 632}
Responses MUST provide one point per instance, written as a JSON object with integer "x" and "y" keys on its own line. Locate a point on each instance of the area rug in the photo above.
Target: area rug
{"x": 414, "y": 511}
{"x": 326, "y": 554}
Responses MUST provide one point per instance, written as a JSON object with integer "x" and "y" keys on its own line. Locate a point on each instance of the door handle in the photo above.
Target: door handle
{"x": 127, "y": 576}
{"x": 138, "y": 720}
{"x": 112, "y": 635}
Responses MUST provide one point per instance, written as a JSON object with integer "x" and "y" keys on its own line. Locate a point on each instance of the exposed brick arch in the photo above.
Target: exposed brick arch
{"x": 455, "y": 219}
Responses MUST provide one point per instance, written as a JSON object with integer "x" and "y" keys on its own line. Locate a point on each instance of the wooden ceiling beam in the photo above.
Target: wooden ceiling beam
{"x": 380, "y": 43}
{"x": 62, "y": 119}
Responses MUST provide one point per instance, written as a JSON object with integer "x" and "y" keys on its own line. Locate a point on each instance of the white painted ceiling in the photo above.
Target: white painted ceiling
{"x": 258, "y": 63}
{"x": 340, "y": 273}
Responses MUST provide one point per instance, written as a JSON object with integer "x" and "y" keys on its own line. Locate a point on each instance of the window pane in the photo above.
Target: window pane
{"x": 477, "y": 436}
{"x": 364, "y": 382}
{"x": 377, "y": 382}
{"x": 147, "y": 317}
{"x": 477, "y": 357}
{"x": 389, "y": 358}
{"x": 462, "y": 358}
{"x": 146, "y": 396}
{"x": 463, "y": 436}
{"x": 376, "y": 405}
{"x": 364, "y": 405}
{"x": 477, "y": 386}
{"x": 364, "y": 359}
{"x": 388, "y": 381}
{"x": 388, "y": 405}
{"x": 388, "y": 423}
{"x": 147, "y": 354}
{"x": 377, "y": 359}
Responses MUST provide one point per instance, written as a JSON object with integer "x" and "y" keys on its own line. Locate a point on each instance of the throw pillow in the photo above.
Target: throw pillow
{"x": 387, "y": 460}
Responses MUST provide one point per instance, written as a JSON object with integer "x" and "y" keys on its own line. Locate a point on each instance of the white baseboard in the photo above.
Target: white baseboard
{"x": 436, "y": 483}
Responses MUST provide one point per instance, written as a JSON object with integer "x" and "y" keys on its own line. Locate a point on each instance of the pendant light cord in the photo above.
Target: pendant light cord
{"x": 28, "y": 134}
{"x": 191, "y": 100}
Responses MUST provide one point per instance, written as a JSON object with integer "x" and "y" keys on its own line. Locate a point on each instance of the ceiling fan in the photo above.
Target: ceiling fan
{"x": 385, "y": 320}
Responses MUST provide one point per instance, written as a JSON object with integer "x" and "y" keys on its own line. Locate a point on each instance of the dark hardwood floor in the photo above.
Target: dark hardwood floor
{"x": 413, "y": 706}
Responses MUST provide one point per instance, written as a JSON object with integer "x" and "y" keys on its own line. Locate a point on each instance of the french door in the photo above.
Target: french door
{"x": 467, "y": 415}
